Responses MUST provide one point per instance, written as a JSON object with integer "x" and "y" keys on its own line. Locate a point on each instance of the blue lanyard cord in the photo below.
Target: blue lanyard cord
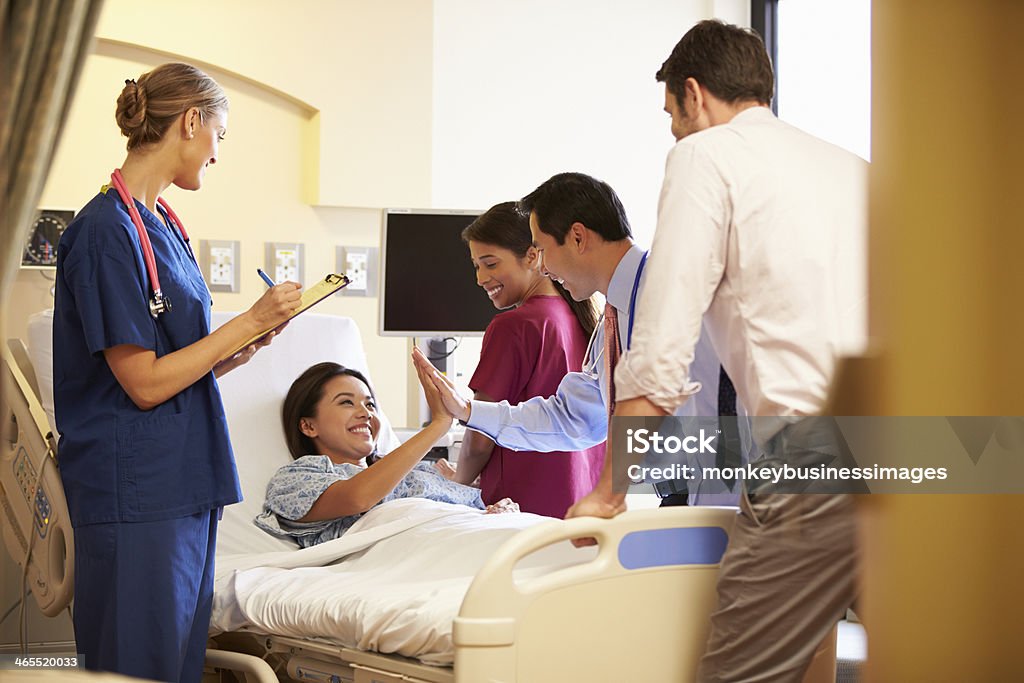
{"x": 590, "y": 359}
{"x": 632, "y": 300}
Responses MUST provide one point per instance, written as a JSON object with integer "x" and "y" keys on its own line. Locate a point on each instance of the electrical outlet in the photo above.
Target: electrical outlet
{"x": 359, "y": 264}
{"x": 220, "y": 263}
{"x": 284, "y": 261}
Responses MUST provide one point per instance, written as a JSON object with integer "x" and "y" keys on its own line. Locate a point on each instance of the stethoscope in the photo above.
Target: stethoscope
{"x": 158, "y": 302}
{"x": 590, "y": 361}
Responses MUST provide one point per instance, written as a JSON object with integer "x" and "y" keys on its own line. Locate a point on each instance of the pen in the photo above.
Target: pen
{"x": 266, "y": 278}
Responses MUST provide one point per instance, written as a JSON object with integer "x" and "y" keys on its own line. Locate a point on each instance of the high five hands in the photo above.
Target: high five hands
{"x": 454, "y": 403}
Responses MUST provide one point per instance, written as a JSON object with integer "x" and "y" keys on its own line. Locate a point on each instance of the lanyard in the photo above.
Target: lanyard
{"x": 158, "y": 303}
{"x": 632, "y": 300}
{"x": 590, "y": 361}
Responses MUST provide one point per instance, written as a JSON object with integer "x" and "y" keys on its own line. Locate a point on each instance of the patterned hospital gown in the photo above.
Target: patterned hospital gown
{"x": 295, "y": 487}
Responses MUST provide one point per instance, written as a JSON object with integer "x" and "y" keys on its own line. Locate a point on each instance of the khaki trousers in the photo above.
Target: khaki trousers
{"x": 787, "y": 577}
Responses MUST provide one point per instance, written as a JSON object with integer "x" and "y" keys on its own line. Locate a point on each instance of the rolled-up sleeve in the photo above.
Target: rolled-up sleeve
{"x": 685, "y": 267}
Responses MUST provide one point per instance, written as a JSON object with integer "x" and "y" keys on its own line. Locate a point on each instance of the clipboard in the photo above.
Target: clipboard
{"x": 310, "y": 297}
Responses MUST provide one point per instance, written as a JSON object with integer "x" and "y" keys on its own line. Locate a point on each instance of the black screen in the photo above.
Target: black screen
{"x": 429, "y": 283}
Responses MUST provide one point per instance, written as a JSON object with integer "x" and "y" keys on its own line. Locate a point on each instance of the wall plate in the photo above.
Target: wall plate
{"x": 285, "y": 261}
{"x": 221, "y": 263}
{"x": 360, "y": 265}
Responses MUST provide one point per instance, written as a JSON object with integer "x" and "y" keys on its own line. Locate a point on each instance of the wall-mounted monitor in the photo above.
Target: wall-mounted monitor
{"x": 429, "y": 287}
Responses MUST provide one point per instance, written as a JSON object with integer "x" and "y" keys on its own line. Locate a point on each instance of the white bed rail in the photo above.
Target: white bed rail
{"x": 253, "y": 669}
{"x": 640, "y": 609}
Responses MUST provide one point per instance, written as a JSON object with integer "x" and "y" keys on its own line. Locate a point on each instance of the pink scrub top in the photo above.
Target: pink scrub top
{"x": 526, "y": 353}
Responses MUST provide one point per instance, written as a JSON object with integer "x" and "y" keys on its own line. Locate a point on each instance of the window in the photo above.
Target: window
{"x": 823, "y": 69}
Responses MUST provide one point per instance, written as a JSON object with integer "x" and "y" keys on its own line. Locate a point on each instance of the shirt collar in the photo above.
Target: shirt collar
{"x": 620, "y": 288}
{"x": 756, "y": 113}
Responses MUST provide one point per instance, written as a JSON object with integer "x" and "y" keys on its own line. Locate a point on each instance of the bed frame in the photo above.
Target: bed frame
{"x": 639, "y": 611}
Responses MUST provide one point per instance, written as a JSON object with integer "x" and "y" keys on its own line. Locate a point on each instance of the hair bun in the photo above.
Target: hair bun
{"x": 131, "y": 109}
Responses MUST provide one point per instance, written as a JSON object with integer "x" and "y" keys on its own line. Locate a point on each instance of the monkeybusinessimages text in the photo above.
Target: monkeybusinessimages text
{"x": 643, "y": 441}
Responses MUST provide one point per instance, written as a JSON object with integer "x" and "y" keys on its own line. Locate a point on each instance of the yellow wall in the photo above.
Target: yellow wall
{"x": 364, "y": 66}
{"x": 351, "y": 111}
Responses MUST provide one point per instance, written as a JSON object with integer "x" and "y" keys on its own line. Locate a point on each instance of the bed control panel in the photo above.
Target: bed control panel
{"x": 26, "y": 476}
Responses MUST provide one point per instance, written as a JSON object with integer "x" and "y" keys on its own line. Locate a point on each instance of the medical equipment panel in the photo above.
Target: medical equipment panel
{"x": 41, "y": 248}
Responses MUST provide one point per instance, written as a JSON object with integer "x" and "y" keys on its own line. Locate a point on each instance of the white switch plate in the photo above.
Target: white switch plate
{"x": 284, "y": 261}
{"x": 220, "y": 261}
{"x": 360, "y": 265}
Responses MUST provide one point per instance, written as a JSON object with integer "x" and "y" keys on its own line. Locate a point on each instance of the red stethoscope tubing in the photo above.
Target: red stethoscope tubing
{"x": 147, "y": 246}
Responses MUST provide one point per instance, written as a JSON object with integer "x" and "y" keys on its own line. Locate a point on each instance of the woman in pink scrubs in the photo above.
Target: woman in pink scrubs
{"x": 527, "y": 350}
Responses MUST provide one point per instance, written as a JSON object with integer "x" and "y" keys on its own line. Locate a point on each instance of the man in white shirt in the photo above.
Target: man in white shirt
{"x": 762, "y": 228}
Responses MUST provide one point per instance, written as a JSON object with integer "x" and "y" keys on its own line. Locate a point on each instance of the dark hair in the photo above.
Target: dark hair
{"x": 728, "y": 60}
{"x": 303, "y": 395}
{"x": 147, "y": 108}
{"x": 503, "y": 225}
{"x": 568, "y": 198}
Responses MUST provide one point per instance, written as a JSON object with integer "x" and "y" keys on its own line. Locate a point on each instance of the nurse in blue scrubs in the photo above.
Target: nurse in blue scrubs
{"x": 144, "y": 452}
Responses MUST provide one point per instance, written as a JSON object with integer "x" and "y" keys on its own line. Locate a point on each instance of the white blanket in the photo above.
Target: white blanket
{"x": 393, "y": 583}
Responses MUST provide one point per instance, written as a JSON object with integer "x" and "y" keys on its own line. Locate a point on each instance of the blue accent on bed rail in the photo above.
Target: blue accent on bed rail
{"x": 665, "y": 547}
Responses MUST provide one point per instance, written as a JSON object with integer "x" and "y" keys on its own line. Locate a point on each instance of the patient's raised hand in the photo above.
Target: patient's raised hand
{"x": 502, "y": 506}
{"x": 457, "y": 406}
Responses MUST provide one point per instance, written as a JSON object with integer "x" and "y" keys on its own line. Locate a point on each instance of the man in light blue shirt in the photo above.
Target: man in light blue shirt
{"x": 581, "y": 230}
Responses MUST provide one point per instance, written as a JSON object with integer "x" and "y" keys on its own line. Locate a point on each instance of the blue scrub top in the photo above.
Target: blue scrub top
{"x": 119, "y": 463}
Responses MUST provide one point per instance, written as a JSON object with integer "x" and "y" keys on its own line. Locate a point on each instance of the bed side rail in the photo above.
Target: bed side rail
{"x": 639, "y": 610}
{"x": 620, "y": 552}
{"x": 33, "y": 512}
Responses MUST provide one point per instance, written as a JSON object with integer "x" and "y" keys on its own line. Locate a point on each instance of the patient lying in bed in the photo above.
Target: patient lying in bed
{"x": 330, "y": 424}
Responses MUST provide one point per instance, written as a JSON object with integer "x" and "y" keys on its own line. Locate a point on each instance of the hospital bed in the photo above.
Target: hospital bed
{"x": 510, "y": 599}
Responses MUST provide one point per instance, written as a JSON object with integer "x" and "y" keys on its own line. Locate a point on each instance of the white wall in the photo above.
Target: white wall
{"x": 824, "y": 70}
{"x": 527, "y": 89}
{"x": 524, "y": 90}
{"x": 362, "y": 66}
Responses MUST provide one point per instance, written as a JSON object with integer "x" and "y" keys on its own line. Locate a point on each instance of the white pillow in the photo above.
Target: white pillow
{"x": 40, "y": 352}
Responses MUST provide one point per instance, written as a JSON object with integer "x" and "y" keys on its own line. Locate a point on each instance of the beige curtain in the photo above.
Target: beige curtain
{"x": 43, "y": 45}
